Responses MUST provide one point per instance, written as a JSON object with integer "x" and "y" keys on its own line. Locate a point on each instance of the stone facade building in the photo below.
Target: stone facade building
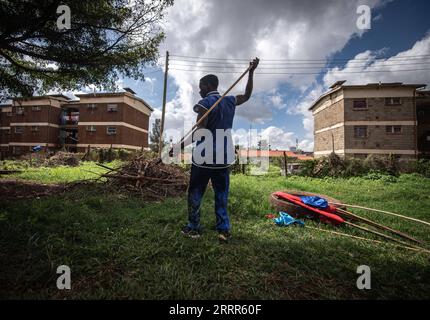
{"x": 359, "y": 120}
{"x": 100, "y": 120}
{"x": 423, "y": 123}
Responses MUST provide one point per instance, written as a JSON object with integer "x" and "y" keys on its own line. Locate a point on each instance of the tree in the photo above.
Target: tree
{"x": 154, "y": 136}
{"x": 106, "y": 39}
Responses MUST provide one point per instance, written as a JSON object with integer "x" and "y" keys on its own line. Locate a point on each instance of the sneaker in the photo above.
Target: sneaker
{"x": 191, "y": 233}
{"x": 224, "y": 236}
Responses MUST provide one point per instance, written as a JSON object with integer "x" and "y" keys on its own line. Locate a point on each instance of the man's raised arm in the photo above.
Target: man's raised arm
{"x": 242, "y": 98}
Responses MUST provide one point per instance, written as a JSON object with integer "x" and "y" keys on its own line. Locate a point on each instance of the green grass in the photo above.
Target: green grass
{"x": 121, "y": 247}
{"x": 60, "y": 174}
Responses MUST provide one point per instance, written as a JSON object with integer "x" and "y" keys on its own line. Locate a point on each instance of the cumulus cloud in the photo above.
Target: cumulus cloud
{"x": 272, "y": 30}
{"x": 242, "y": 29}
{"x": 277, "y": 138}
{"x": 365, "y": 67}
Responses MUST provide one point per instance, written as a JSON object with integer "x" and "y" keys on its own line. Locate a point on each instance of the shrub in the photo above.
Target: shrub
{"x": 422, "y": 167}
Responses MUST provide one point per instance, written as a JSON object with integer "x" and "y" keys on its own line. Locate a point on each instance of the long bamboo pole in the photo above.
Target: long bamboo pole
{"x": 369, "y": 240}
{"x": 381, "y": 211}
{"x": 381, "y": 235}
{"x": 377, "y": 225}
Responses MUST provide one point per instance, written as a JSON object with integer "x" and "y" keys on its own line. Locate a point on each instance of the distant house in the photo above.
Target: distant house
{"x": 101, "y": 120}
{"x": 293, "y": 158}
{"x": 293, "y": 163}
{"x": 253, "y": 153}
{"x": 377, "y": 118}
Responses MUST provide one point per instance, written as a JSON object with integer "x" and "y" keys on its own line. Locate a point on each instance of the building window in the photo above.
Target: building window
{"x": 112, "y": 107}
{"x": 19, "y": 129}
{"x": 393, "y": 129}
{"x": 36, "y": 108}
{"x": 111, "y": 130}
{"x": 360, "y": 132}
{"x": 34, "y": 128}
{"x": 9, "y": 114}
{"x": 16, "y": 150}
{"x": 19, "y": 110}
{"x": 393, "y": 101}
{"x": 92, "y": 106}
{"x": 359, "y": 104}
{"x": 7, "y": 131}
{"x": 91, "y": 128}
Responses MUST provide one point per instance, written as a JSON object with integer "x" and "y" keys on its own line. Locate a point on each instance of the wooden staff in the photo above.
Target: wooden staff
{"x": 382, "y": 235}
{"x": 377, "y": 225}
{"x": 381, "y": 211}
{"x": 369, "y": 240}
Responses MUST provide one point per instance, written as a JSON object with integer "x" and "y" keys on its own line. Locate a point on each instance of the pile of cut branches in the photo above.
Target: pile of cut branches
{"x": 149, "y": 178}
{"x": 63, "y": 159}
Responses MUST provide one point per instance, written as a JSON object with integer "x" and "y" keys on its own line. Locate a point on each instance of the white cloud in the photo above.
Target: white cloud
{"x": 242, "y": 29}
{"x": 277, "y": 101}
{"x": 359, "y": 70}
{"x": 278, "y": 138}
{"x": 283, "y": 30}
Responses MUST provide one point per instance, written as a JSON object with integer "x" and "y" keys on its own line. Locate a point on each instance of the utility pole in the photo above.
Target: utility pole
{"x": 166, "y": 70}
{"x": 285, "y": 163}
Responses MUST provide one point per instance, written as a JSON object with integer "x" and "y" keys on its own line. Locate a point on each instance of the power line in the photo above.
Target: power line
{"x": 295, "y": 60}
{"x": 297, "y": 67}
{"x": 262, "y": 63}
{"x": 306, "y": 73}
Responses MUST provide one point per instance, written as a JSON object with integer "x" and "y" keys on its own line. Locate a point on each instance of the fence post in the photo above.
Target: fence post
{"x": 285, "y": 164}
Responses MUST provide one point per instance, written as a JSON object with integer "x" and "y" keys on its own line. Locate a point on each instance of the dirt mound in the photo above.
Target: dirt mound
{"x": 149, "y": 178}
{"x": 63, "y": 159}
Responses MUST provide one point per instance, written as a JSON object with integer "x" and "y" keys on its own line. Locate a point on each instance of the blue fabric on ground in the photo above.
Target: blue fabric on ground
{"x": 315, "y": 201}
{"x": 285, "y": 219}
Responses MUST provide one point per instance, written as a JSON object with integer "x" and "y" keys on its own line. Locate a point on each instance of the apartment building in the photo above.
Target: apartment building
{"x": 423, "y": 123}
{"x": 359, "y": 120}
{"x": 97, "y": 120}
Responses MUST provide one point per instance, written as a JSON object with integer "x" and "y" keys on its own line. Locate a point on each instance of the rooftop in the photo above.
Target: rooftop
{"x": 59, "y": 96}
{"x": 340, "y": 85}
{"x": 128, "y": 92}
{"x": 114, "y": 94}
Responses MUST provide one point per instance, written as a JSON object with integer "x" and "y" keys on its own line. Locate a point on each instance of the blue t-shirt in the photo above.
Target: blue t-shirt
{"x": 219, "y": 123}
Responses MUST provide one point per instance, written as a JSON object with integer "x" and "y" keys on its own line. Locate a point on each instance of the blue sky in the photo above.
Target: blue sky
{"x": 284, "y": 30}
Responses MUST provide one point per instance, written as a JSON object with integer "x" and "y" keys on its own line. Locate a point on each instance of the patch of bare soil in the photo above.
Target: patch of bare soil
{"x": 20, "y": 189}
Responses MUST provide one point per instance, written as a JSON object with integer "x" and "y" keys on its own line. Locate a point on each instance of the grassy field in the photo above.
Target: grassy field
{"x": 121, "y": 247}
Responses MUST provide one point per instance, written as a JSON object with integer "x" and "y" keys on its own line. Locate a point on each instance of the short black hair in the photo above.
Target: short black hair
{"x": 211, "y": 80}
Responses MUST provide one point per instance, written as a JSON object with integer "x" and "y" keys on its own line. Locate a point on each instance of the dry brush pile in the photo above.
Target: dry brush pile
{"x": 149, "y": 178}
